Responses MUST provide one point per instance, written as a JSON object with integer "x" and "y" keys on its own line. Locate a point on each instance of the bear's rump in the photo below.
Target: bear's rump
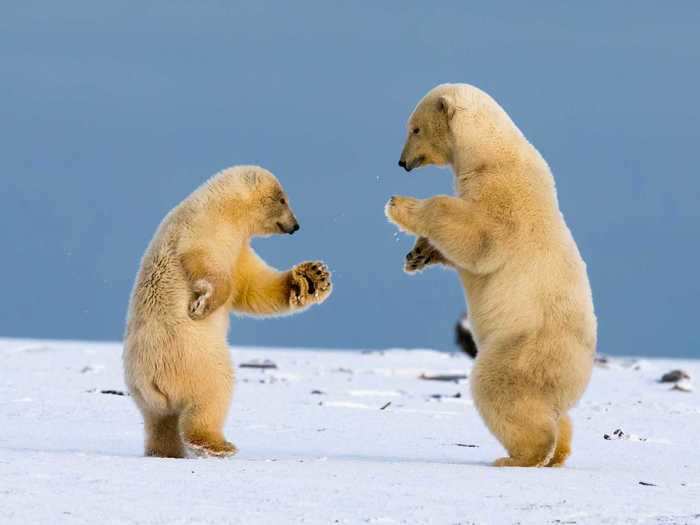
{"x": 174, "y": 363}
{"x": 554, "y": 369}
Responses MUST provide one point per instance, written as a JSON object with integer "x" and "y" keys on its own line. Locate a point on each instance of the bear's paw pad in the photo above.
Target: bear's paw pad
{"x": 311, "y": 282}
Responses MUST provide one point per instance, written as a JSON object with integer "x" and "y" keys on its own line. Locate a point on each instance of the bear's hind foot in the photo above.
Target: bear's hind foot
{"x": 515, "y": 462}
{"x": 563, "y": 449}
{"x": 174, "y": 452}
{"x": 219, "y": 449}
{"x": 162, "y": 436}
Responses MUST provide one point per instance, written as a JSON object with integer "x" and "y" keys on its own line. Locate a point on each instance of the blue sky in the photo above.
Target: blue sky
{"x": 111, "y": 113}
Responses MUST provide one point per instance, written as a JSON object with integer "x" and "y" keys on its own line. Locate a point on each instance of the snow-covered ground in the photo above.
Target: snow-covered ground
{"x": 336, "y": 437}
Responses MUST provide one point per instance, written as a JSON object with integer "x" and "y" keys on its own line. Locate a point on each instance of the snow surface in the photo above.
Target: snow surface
{"x": 71, "y": 454}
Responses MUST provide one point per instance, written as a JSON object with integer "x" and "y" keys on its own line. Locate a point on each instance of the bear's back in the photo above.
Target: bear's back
{"x": 160, "y": 292}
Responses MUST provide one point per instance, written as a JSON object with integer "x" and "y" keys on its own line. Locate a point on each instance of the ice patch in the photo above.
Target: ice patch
{"x": 374, "y": 393}
{"x": 346, "y": 404}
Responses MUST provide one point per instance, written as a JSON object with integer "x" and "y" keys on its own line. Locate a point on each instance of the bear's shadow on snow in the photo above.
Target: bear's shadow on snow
{"x": 417, "y": 460}
{"x": 281, "y": 456}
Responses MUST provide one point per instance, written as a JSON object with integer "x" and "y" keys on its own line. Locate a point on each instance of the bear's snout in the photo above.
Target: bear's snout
{"x": 409, "y": 165}
{"x": 289, "y": 229}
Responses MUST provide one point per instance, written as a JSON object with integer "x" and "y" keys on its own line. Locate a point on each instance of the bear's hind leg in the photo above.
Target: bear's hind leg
{"x": 529, "y": 434}
{"x": 163, "y": 435}
{"x": 203, "y": 420}
{"x": 203, "y": 428}
{"x": 563, "y": 442}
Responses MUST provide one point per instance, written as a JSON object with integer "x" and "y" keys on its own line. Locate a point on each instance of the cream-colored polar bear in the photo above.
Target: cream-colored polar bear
{"x": 529, "y": 298}
{"x": 197, "y": 268}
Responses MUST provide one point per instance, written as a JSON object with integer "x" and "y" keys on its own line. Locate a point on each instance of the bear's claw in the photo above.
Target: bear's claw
{"x": 221, "y": 450}
{"x": 423, "y": 254}
{"x": 311, "y": 283}
{"x": 199, "y": 307}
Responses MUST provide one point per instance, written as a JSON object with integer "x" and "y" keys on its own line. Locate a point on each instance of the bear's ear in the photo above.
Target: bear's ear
{"x": 446, "y": 105}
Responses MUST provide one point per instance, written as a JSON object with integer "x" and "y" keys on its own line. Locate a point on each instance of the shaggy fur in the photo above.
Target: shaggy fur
{"x": 198, "y": 267}
{"x": 530, "y": 303}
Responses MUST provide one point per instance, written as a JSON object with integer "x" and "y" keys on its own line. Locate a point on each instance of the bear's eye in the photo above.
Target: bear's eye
{"x": 415, "y": 131}
{"x": 283, "y": 200}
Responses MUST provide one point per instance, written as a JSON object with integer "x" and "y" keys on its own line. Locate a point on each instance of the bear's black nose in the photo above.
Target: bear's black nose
{"x": 402, "y": 163}
{"x": 294, "y": 228}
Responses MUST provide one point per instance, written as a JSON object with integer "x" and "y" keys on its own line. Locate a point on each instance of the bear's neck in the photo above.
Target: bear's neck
{"x": 504, "y": 160}
{"x": 471, "y": 167}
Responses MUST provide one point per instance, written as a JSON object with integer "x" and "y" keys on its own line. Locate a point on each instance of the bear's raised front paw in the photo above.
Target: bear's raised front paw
{"x": 423, "y": 254}
{"x": 200, "y": 305}
{"x": 311, "y": 283}
{"x": 402, "y": 212}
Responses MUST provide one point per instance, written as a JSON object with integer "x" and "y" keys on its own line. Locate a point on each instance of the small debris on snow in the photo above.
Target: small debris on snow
{"x": 602, "y": 361}
{"x": 468, "y": 445}
{"x": 674, "y": 376}
{"x": 443, "y": 377}
{"x": 385, "y": 406}
{"x": 647, "y": 484}
{"x": 444, "y": 396}
{"x": 619, "y": 434}
{"x": 318, "y": 393}
{"x": 272, "y": 379}
{"x": 114, "y": 392}
{"x": 638, "y": 364}
{"x": 90, "y": 368}
{"x": 260, "y": 365}
{"x": 380, "y": 520}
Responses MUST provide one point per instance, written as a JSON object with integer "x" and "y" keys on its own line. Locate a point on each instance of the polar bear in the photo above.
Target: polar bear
{"x": 197, "y": 268}
{"x": 529, "y": 298}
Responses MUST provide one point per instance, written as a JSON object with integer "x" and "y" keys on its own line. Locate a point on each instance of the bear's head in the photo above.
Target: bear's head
{"x": 428, "y": 140}
{"x": 454, "y": 120}
{"x": 260, "y": 202}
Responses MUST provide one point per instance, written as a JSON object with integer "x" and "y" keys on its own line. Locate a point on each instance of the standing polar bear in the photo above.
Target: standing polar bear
{"x": 197, "y": 268}
{"x": 529, "y": 299}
